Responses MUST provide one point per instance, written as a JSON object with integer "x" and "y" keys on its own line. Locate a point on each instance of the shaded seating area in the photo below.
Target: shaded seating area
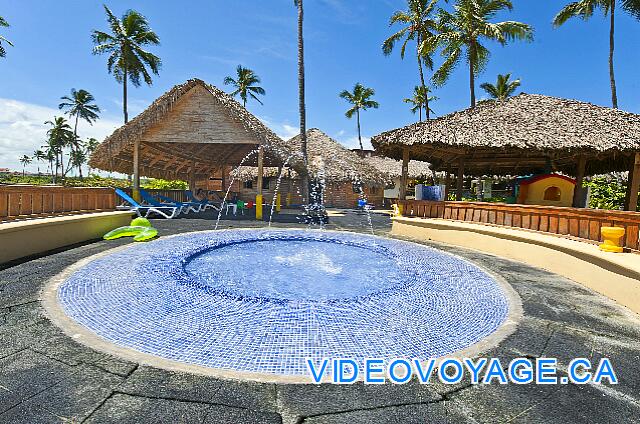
{"x": 195, "y": 132}
{"x": 525, "y": 134}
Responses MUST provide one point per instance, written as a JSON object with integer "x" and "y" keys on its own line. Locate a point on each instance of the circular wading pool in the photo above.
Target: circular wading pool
{"x": 260, "y": 302}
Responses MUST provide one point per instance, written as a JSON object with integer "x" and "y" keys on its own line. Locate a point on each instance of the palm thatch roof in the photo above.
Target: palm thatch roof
{"x": 392, "y": 168}
{"x": 522, "y": 134}
{"x": 327, "y": 158}
{"x": 191, "y": 130}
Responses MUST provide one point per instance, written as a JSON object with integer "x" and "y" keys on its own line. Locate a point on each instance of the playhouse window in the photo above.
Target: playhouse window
{"x": 552, "y": 193}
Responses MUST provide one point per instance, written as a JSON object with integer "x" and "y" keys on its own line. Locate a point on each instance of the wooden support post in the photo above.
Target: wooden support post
{"x": 223, "y": 178}
{"x": 192, "y": 177}
{"x": 136, "y": 171}
{"x": 577, "y": 191}
{"x": 259, "y": 185}
{"x": 460, "y": 179}
{"x": 278, "y": 202}
{"x": 633, "y": 186}
{"x": 447, "y": 183}
{"x": 405, "y": 174}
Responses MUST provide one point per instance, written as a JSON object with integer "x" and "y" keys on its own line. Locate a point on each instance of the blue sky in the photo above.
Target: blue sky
{"x": 209, "y": 38}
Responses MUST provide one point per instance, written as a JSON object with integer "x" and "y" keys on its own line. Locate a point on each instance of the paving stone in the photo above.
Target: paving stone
{"x": 122, "y": 409}
{"x": 75, "y": 397}
{"x": 26, "y": 414}
{"x": 67, "y": 350}
{"x": 582, "y": 404}
{"x": 26, "y": 374}
{"x": 218, "y": 414}
{"x": 21, "y": 337}
{"x": 258, "y": 396}
{"x": 441, "y": 413}
{"x": 154, "y": 382}
{"x": 311, "y": 399}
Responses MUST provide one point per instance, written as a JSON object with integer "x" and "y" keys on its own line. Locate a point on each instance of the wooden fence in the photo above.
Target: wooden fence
{"x": 18, "y": 201}
{"x": 580, "y": 223}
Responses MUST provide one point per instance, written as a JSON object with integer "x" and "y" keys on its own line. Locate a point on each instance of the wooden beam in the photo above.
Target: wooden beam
{"x": 405, "y": 174}
{"x": 447, "y": 182}
{"x": 634, "y": 184}
{"x": 577, "y": 191}
{"x": 460, "y": 179}
{"x": 136, "y": 170}
{"x": 259, "y": 185}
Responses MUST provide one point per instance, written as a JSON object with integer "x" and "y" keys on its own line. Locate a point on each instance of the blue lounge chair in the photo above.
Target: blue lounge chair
{"x": 185, "y": 207}
{"x": 145, "y": 210}
{"x": 204, "y": 202}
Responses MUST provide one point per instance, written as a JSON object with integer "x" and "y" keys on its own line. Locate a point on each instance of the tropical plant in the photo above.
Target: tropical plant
{"x": 503, "y": 88}
{"x": 59, "y": 136}
{"x": 78, "y": 158}
{"x": 24, "y": 160}
{"x": 460, "y": 34}
{"x": 360, "y": 98}
{"x": 128, "y": 60}
{"x": 39, "y": 156}
{"x": 4, "y": 23}
{"x": 301, "y": 102}
{"x": 420, "y": 27}
{"x": 420, "y": 100}
{"x": 245, "y": 85}
{"x": 584, "y": 9}
{"x": 90, "y": 146}
{"x": 79, "y": 105}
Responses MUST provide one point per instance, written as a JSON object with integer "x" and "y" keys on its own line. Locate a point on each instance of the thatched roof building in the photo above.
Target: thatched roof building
{"x": 189, "y": 132}
{"x": 522, "y": 134}
{"x": 333, "y": 161}
{"x": 392, "y": 168}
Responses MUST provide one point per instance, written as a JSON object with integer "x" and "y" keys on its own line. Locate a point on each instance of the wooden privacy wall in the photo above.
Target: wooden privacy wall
{"x": 580, "y": 223}
{"x": 18, "y": 201}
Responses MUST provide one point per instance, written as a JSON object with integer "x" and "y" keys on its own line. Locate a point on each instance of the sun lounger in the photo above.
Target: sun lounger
{"x": 185, "y": 207}
{"x": 146, "y": 210}
{"x": 204, "y": 202}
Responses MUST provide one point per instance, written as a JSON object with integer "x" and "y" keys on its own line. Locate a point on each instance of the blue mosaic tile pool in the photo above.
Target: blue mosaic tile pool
{"x": 265, "y": 300}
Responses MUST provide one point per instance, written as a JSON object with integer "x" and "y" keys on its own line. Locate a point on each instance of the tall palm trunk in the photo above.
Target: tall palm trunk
{"x": 359, "y": 136}
{"x": 422, "y": 83}
{"x": 302, "y": 109}
{"x": 75, "y": 145}
{"x": 124, "y": 97}
{"x": 472, "y": 76}
{"x": 614, "y": 93}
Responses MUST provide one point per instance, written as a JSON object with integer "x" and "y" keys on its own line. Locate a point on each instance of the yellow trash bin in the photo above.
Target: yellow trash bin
{"x": 611, "y": 239}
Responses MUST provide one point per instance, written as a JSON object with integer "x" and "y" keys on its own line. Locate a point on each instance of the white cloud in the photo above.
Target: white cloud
{"x": 22, "y": 130}
{"x": 282, "y": 130}
{"x": 352, "y": 142}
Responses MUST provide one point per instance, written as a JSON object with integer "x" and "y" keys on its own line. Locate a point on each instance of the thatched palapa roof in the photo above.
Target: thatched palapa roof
{"x": 522, "y": 134}
{"x": 327, "y": 158}
{"x": 393, "y": 168}
{"x": 191, "y": 130}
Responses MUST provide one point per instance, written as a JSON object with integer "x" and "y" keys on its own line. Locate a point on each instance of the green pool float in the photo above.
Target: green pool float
{"x": 140, "y": 229}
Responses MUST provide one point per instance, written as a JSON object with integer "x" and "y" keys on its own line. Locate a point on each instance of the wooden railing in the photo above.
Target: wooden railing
{"x": 17, "y": 201}
{"x": 580, "y": 223}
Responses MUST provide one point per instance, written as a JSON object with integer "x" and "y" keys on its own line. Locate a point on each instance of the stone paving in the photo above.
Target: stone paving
{"x": 46, "y": 377}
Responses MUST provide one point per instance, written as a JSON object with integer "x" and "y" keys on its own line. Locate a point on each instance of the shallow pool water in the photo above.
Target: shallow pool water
{"x": 262, "y": 301}
{"x": 296, "y": 269}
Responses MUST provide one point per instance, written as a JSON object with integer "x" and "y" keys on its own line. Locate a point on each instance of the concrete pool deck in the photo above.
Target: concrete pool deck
{"x": 45, "y": 376}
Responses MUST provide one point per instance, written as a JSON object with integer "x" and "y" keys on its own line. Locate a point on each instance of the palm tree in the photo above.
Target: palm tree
{"x": 504, "y": 87}
{"x": 90, "y": 146}
{"x": 3, "y": 23}
{"x": 127, "y": 58}
{"x": 78, "y": 158}
{"x": 301, "y": 102}
{"x": 460, "y": 34}
{"x": 24, "y": 160}
{"x": 244, "y": 84}
{"x": 39, "y": 156}
{"x": 584, "y": 9}
{"x": 421, "y": 27}
{"x": 79, "y": 105}
{"x": 360, "y": 98}
{"x": 420, "y": 100}
{"x": 59, "y": 137}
